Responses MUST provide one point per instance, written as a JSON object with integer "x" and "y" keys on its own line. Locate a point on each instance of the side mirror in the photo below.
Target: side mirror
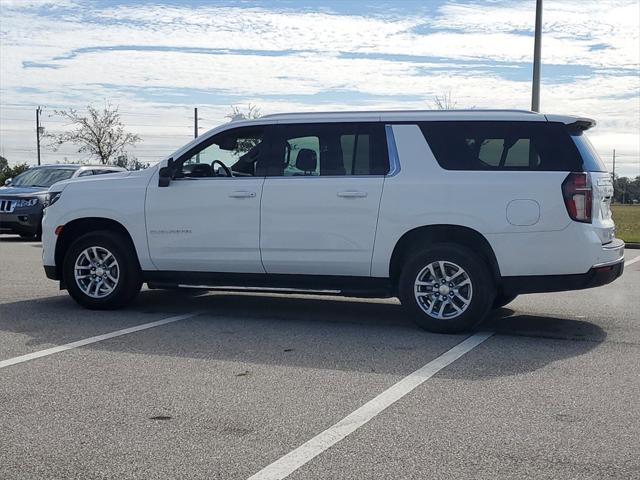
{"x": 7, "y": 182}
{"x": 166, "y": 174}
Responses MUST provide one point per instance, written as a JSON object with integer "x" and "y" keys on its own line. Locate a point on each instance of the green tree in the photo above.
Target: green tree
{"x": 7, "y": 171}
{"x": 626, "y": 190}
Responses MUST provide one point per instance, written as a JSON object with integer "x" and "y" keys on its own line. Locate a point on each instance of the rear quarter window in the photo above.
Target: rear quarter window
{"x": 590, "y": 158}
{"x": 485, "y": 145}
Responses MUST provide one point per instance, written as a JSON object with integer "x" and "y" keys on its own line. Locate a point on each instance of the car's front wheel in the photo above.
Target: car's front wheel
{"x": 447, "y": 288}
{"x": 101, "y": 271}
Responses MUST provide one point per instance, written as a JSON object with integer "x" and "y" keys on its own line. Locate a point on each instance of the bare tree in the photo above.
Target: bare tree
{"x": 100, "y": 133}
{"x": 243, "y": 145}
{"x": 236, "y": 113}
{"x": 445, "y": 101}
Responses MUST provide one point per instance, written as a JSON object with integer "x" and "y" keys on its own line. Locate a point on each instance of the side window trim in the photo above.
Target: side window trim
{"x": 394, "y": 159}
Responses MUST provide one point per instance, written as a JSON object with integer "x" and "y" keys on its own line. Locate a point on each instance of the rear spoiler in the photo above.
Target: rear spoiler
{"x": 574, "y": 124}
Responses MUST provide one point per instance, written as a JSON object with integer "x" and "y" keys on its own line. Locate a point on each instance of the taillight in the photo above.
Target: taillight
{"x": 577, "y": 193}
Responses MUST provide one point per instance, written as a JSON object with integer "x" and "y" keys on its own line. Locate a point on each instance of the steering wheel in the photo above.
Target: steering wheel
{"x": 226, "y": 169}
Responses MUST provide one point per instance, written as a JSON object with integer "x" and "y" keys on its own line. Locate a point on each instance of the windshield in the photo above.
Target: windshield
{"x": 42, "y": 177}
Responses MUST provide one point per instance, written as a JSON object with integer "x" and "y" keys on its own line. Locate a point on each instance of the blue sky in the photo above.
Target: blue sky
{"x": 157, "y": 60}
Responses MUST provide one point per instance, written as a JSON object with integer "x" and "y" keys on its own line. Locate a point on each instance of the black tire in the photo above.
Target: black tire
{"x": 501, "y": 300}
{"x": 129, "y": 279}
{"x": 483, "y": 288}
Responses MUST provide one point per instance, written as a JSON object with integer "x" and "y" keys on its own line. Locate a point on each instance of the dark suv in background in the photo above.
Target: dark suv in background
{"x": 23, "y": 198}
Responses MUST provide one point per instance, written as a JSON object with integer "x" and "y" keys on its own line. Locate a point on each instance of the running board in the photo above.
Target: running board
{"x": 272, "y": 283}
{"x": 230, "y": 288}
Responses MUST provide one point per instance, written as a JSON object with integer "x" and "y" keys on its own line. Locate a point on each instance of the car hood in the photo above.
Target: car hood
{"x": 59, "y": 186}
{"x": 21, "y": 191}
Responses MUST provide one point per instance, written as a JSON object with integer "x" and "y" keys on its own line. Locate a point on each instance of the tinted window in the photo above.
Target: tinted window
{"x": 241, "y": 150}
{"x": 502, "y": 146}
{"x": 330, "y": 149}
{"x": 590, "y": 158}
{"x": 85, "y": 173}
{"x": 301, "y": 155}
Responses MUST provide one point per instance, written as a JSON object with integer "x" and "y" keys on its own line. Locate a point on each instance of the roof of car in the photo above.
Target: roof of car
{"x": 413, "y": 113}
{"x": 390, "y": 116}
{"x": 417, "y": 115}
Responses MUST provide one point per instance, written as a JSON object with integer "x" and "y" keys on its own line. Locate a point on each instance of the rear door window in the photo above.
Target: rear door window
{"x": 502, "y": 146}
{"x": 330, "y": 149}
{"x": 301, "y": 156}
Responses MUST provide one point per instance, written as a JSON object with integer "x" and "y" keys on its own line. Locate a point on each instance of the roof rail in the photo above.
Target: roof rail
{"x": 351, "y": 112}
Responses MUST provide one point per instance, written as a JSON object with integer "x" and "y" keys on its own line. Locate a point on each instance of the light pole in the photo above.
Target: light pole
{"x": 195, "y": 122}
{"x": 537, "y": 45}
{"x": 39, "y": 130}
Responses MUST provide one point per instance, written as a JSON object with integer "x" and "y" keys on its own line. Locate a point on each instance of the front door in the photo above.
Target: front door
{"x": 208, "y": 218}
{"x": 320, "y": 204}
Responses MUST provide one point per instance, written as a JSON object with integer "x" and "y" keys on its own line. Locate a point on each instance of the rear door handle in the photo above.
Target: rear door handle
{"x": 242, "y": 194}
{"x": 352, "y": 194}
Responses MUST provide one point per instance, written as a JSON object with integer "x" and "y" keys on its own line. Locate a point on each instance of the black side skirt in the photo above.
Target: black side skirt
{"x": 321, "y": 284}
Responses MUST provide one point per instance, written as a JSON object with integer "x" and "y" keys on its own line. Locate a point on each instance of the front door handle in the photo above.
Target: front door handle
{"x": 242, "y": 194}
{"x": 352, "y": 194}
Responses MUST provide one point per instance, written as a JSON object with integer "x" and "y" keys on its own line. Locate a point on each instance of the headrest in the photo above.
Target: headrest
{"x": 307, "y": 160}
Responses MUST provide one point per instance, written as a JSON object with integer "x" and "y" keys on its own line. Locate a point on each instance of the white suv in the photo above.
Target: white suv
{"x": 454, "y": 212}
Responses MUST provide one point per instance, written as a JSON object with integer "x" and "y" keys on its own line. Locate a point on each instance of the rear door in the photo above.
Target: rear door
{"x": 320, "y": 202}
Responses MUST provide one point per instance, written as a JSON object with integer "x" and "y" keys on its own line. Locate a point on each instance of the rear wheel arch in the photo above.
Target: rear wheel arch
{"x": 81, "y": 226}
{"x": 422, "y": 237}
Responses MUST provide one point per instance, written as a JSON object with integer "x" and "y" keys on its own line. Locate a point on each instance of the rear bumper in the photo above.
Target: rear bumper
{"x": 596, "y": 276}
{"x": 609, "y": 266}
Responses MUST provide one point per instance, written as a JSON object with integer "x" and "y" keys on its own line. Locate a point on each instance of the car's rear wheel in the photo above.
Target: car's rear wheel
{"x": 101, "y": 271}
{"x": 501, "y": 300}
{"x": 447, "y": 288}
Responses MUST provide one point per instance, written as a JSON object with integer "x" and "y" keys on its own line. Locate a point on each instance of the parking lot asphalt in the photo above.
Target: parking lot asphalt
{"x": 553, "y": 393}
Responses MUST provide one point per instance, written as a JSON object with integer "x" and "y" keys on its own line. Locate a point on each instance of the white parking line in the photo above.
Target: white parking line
{"x": 97, "y": 338}
{"x": 630, "y": 262}
{"x": 295, "y": 459}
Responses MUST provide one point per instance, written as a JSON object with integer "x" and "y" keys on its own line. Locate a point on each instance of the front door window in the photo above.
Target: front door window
{"x": 238, "y": 152}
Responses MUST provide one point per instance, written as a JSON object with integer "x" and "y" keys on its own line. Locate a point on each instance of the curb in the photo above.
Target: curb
{"x": 632, "y": 245}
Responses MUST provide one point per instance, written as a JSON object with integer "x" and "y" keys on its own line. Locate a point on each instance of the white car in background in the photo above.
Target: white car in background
{"x": 454, "y": 212}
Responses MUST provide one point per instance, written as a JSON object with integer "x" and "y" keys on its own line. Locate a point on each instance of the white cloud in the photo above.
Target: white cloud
{"x": 599, "y": 37}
